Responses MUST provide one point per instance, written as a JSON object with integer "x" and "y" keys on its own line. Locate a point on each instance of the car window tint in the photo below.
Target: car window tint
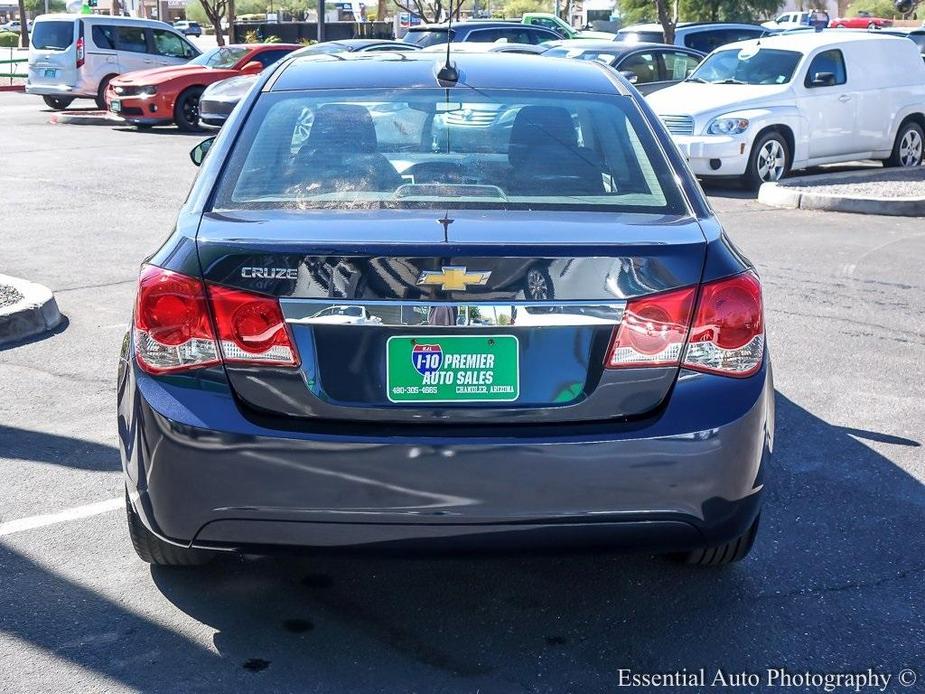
{"x": 131, "y": 39}
{"x": 413, "y": 148}
{"x": 678, "y": 66}
{"x": 827, "y": 61}
{"x": 643, "y": 65}
{"x": 104, "y": 37}
{"x": 269, "y": 57}
{"x": 52, "y": 36}
{"x": 169, "y": 44}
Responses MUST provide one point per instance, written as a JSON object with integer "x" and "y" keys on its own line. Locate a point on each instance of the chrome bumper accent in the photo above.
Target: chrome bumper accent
{"x": 451, "y": 314}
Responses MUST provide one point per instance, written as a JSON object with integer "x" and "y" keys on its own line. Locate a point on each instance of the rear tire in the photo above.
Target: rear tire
{"x": 726, "y": 553}
{"x": 153, "y": 550}
{"x": 769, "y": 161}
{"x": 101, "y": 92}
{"x": 186, "y": 110}
{"x": 58, "y": 103}
{"x": 908, "y": 147}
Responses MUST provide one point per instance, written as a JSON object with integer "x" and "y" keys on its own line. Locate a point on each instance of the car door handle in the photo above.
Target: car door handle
{"x": 845, "y": 98}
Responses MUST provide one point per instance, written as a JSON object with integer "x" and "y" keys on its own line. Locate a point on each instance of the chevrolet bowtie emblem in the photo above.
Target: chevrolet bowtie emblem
{"x": 453, "y": 278}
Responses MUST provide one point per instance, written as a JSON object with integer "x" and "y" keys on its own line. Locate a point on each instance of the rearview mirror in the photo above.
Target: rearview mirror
{"x": 823, "y": 79}
{"x": 198, "y": 153}
{"x": 631, "y": 77}
{"x": 252, "y": 66}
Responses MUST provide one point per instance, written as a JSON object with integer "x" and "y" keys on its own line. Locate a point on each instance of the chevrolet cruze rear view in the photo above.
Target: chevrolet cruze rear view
{"x": 369, "y": 330}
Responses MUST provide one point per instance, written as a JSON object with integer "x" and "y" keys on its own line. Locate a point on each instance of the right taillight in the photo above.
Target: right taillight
{"x": 727, "y": 334}
{"x": 80, "y": 52}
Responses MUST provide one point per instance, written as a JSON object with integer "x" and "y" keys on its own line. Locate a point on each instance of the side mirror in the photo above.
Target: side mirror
{"x": 823, "y": 79}
{"x": 252, "y": 66}
{"x": 630, "y": 76}
{"x": 198, "y": 153}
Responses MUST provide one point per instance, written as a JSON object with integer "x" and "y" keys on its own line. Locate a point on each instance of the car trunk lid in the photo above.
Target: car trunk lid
{"x": 467, "y": 316}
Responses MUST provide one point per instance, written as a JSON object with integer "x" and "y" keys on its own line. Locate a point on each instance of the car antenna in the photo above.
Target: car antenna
{"x": 449, "y": 73}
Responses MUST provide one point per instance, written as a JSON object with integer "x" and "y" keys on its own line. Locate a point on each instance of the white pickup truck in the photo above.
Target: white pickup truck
{"x": 757, "y": 109}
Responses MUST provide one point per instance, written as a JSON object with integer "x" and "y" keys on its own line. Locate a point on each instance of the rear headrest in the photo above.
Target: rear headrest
{"x": 541, "y": 127}
{"x": 344, "y": 128}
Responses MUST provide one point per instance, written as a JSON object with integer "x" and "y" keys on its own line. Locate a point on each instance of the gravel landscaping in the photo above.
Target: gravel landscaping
{"x": 8, "y": 295}
{"x": 879, "y": 183}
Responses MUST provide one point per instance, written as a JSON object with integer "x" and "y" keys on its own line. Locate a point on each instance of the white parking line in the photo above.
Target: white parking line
{"x": 32, "y": 522}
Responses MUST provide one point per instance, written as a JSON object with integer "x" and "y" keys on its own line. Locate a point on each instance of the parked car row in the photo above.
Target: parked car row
{"x": 754, "y": 109}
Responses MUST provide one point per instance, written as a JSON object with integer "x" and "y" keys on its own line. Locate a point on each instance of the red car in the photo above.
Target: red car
{"x": 864, "y": 20}
{"x": 170, "y": 94}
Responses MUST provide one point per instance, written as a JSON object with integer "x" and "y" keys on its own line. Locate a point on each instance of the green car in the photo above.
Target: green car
{"x": 559, "y": 25}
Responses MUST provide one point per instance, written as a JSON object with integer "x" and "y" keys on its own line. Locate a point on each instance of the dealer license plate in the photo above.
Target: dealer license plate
{"x": 457, "y": 368}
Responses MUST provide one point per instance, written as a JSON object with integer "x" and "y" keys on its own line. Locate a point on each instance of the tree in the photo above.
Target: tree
{"x": 23, "y": 25}
{"x": 668, "y": 17}
{"x": 215, "y": 10}
{"x": 517, "y": 8}
{"x": 430, "y": 11}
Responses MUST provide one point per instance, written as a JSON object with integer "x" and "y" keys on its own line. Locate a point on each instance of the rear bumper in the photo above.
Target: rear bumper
{"x": 200, "y": 473}
{"x": 57, "y": 90}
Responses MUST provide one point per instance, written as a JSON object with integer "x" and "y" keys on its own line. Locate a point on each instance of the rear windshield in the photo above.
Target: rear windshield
{"x": 751, "y": 65}
{"x": 52, "y": 36}
{"x": 222, "y": 57}
{"x": 641, "y": 36}
{"x": 603, "y": 56}
{"x": 432, "y": 148}
{"x": 427, "y": 37}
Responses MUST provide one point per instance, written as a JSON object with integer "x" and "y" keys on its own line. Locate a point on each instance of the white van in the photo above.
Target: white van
{"x": 757, "y": 109}
{"x": 74, "y": 56}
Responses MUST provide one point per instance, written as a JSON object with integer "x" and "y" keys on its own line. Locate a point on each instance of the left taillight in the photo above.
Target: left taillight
{"x": 251, "y": 328}
{"x": 80, "y": 52}
{"x": 173, "y": 331}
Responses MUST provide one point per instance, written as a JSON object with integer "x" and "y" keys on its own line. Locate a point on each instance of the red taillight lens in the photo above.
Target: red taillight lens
{"x": 251, "y": 328}
{"x": 653, "y": 330}
{"x": 727, "y": 336}
{"x": 80, "y": 52}
{"x": 172, "y": 326}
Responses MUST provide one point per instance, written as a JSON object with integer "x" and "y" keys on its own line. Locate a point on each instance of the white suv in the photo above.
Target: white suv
{"x": 72, "y": 56}
{"x": 757, "y": 109}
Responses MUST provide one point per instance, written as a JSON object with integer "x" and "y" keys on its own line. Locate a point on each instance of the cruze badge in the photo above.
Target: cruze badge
{"x": 269, "y": 273}
{"x": 454, "y": 278}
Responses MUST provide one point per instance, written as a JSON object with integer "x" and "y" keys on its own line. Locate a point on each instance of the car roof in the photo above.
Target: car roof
{"x": 98, "y": 18}
{"x": 804, "y": 41}
{"x": 418, "y": 70}
{"x": 362, "y": 42}
{"x": 683, "y": 25}
{"x": 601, "y": 45}
{"x": 480, "y": 23}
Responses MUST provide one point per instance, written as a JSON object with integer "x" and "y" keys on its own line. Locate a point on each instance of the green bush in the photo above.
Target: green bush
{"x": 9, "y": 39}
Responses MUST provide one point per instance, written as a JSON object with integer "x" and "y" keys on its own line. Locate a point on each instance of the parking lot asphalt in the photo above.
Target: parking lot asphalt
{"x": 834, "y": 584}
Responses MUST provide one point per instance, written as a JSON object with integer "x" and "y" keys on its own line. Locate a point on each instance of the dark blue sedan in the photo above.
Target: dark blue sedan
{"x": 362, "y": 335}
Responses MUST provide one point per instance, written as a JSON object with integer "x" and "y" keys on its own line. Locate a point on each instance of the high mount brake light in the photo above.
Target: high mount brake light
{"x": 174, "y": 332}
{"x": 251, "y": 328}
{"x": 725, "y": 336}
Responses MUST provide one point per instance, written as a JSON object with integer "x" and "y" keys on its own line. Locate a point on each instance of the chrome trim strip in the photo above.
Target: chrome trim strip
{"x": 471, "y": 314}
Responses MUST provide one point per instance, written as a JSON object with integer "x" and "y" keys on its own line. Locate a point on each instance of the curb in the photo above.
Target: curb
{"x": 12, "y": 88}
{"x": 85, "y": 118}
{"x": 34, "y": 314}
{"x": 786, "y": 196}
